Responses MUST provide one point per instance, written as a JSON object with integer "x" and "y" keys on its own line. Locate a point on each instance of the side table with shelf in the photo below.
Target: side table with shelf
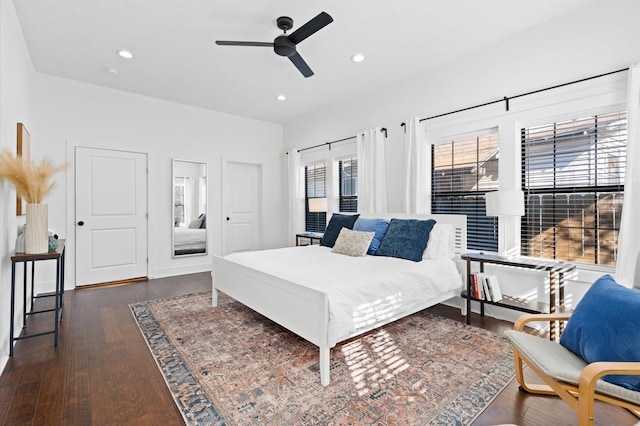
{"x": 308, "y": 238}
{"x": 557, "y": 271}
{"x": 59, "y": 256}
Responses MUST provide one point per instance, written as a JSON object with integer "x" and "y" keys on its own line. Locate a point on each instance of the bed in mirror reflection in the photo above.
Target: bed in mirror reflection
{"x": 189, "y": 228}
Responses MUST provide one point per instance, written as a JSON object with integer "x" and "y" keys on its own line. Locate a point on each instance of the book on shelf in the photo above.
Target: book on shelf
{"x": 485, "y": 286}
{"x": 479, "y": 287}
{"x": 474, "y": 286}
{"x": 478, "y": 281}
{"x": 494, "y": 288}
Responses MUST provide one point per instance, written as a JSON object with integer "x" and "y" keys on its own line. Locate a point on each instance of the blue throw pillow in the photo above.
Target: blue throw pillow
{"x": 605, "y": 326}
{"x": 406, "y": 239}
{"x": 378, "y": 226}
{"x": 336, "y": 223}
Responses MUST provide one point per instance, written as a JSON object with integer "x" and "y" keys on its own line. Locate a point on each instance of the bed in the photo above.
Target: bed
{"x": 189, "y": 240}
{"x": 296, "y": 288}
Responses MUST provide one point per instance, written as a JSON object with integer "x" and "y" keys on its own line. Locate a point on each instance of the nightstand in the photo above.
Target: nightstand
{"x": 307, "y": 238}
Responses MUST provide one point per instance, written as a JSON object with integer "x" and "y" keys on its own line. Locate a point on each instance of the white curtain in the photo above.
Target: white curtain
{"x": 295, "y": 191}
{"x": 190, "y": 202}
{"x": 372, "y": 179}
{"x": 628, "y": 242}
{"x": 417, "y": 176}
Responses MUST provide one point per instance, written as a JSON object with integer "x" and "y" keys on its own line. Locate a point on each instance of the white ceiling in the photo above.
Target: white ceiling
{"x": 177, "y": 60}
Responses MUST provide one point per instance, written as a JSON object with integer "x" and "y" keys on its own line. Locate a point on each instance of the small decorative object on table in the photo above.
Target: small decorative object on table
{"x": 53, "y": 243}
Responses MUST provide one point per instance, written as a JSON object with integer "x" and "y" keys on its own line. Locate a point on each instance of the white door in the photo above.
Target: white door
{"x": 111, "y": 215}
{"x": 241, "y": 201}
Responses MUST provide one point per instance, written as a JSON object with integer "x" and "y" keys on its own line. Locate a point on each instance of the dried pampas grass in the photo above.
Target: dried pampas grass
{"x": 33, "y": 181}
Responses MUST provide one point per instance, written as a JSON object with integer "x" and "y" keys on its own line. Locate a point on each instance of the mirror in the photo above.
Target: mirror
{"x": 189, "y": 207}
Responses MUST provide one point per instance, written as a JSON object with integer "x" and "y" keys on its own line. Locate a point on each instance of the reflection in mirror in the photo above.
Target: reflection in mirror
{"x": 189, "y": 187}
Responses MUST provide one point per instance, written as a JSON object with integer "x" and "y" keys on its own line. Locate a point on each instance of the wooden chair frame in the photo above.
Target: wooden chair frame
{"x": 580, "y": 398}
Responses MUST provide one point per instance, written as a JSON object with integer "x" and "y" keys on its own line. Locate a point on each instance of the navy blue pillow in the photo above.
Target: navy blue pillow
{"x": 378, "y": 226}
{"x": 605, "y": 327}
{"x": 406, "y": 239}
{"x": 336, "y": 223}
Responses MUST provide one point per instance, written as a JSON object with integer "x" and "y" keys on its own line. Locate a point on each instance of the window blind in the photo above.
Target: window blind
{"x": 573, "y": 179}
{"x": 348, "y": 172}
{"x": 462, "y": 172}
{"x": 315, "y": 187}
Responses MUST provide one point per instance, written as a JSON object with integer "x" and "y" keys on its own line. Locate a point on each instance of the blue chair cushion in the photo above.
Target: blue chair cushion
{"x": 605, "y": 326}
{"x": 377, "y": 226}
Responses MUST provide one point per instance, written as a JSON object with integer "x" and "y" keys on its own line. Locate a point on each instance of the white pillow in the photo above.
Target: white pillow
{"x": 352, "y": 243}
{"x": 195, "y": 223}
{"x": 441, "y": 242}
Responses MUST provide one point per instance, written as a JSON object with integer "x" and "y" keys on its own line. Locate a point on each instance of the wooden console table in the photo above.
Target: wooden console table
{"x": 58, "y": 256}
{"x": 556, "y": 270}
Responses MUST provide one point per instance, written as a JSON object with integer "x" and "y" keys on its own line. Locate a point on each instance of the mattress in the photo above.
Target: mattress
{"x": 361, "y": 290}
{"x": 189, "y": 238}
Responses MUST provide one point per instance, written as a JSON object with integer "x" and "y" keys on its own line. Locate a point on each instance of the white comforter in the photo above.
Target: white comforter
{"x": 189, "y": 237}
{"x": 362, "y": 290}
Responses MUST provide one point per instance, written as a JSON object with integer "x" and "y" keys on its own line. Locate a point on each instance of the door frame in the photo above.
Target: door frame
{"x": 223, "y": 208}
{"x": 70, "y": 244}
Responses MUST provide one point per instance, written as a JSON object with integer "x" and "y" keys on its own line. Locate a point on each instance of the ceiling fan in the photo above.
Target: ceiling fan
{"x": 285, "y": 45}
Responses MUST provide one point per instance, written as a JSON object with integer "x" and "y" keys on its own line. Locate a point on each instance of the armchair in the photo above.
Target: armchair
{"x": 580, "y": 383}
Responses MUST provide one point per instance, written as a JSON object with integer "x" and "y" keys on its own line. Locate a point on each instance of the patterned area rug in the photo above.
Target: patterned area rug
{"x": 230, "y": 365}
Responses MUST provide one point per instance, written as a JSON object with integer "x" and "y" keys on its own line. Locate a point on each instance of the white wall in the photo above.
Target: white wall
{"x": 602, "y": 37}
{"x": 16, "y": 74}
{"x": 61, "y": 114}
{"x": 69, "y": 113}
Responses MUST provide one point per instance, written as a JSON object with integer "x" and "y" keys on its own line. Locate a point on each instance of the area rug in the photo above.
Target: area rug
{"x": 230, "y": 365}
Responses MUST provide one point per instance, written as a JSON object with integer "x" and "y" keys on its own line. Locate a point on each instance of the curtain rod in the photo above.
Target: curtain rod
{"x": 383, "y": 130}
{"x": 506, "y": 99}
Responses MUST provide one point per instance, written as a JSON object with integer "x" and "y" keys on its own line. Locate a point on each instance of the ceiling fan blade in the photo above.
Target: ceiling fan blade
{"x": 244, "y": 43}
{"x": 301, "y": 64}
{"x": 316, "y": 24}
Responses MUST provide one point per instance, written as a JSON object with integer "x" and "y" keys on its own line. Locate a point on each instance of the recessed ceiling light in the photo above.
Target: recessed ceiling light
{"x": 357, "y": 58}
{"x": 125, "y": 54}
{"x": 113, "y": 70}
{"x": 281, "y": 97}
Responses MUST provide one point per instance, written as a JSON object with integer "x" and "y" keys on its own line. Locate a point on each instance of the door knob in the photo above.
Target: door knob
{"x": 80, "y": 223}
{"x": 228, "y": 218}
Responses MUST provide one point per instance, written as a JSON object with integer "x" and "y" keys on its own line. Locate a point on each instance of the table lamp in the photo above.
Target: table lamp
{"x": 317, "y": 205}
{"x": 503, "y": 203}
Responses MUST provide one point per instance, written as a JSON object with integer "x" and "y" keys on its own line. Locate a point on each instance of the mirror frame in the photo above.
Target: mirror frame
{"x": 174, "y": 166}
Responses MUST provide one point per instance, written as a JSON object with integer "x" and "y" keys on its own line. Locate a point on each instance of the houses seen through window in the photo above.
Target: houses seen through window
{"x": 573, "y": 178}
{"x": 315, "y": 177}
{"x": 463, "y": 171}
{"x": 348, "y": 172}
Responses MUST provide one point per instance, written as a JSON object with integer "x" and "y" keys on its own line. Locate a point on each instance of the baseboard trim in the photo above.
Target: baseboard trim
{"x": 113, "y": 283}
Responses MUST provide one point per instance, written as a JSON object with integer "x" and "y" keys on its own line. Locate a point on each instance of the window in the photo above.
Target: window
{"x": 462, "y": 171}
{"x": 573, "y": 180}
{"x": 179, "y": 202}
{"x": 348, "y": 172}
{"x": 315, "y": 187}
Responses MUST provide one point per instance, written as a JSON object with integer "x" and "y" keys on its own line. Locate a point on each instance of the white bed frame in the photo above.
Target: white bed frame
{"x": 302, "y": 310}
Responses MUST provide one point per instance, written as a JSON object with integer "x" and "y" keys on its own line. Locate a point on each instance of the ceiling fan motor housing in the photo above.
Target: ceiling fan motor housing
{"x": 283, "y": 46}
{"x": 284, "y": 23}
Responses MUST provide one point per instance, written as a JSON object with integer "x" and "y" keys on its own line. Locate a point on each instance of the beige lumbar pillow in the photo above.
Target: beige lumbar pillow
{"x": 352, "y": 243}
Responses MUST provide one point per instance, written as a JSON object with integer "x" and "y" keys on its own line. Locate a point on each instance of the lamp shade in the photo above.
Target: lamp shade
{"x": 506, "y": 202}
{"x": 317, "y": 205}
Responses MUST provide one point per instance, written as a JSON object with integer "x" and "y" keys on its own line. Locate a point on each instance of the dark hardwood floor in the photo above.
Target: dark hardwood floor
{"x": 102, "y": 372}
